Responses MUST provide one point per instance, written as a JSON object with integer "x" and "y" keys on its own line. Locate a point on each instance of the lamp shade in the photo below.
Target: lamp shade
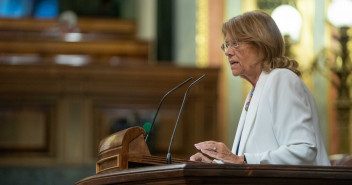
{"x": 289, "y": 21}
{"x": 340, "y": 13}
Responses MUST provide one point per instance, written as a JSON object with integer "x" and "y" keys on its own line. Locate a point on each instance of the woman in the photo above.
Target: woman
{"x": 279, "y": 122}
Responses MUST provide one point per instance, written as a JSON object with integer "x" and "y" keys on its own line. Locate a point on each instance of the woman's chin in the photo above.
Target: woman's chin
{"x": 236, "y": 73}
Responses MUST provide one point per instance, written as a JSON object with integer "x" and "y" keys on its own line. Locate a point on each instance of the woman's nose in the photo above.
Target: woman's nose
{"x": 227, "y": 52}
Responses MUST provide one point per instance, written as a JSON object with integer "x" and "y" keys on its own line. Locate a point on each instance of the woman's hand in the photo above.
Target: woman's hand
{"x": 199, "y": 157}
{"x": 216, "y": 150}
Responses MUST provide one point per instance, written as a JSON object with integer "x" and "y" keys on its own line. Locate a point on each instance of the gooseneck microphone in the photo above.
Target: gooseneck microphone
{"x": 168, "y": 157}
{"x": 161, "y": 101}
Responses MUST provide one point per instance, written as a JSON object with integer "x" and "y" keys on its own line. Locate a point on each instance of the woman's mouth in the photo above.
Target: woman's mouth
{"x": 233, "y": 62}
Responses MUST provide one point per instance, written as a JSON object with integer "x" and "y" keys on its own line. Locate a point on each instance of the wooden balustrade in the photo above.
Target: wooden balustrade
{"x": 99, "y": 39}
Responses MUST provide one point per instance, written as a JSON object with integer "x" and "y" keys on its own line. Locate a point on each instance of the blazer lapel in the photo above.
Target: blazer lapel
{"x": 252, "y": 111}
{"x": 239, "y": 129}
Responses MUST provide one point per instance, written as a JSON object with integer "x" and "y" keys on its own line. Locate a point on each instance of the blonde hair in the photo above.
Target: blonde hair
{"x": 259, "y": 29}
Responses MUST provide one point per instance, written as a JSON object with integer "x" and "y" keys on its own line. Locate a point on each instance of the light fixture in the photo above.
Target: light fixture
{"x": 340, "y": 13}
{"x": 289, "y": 21}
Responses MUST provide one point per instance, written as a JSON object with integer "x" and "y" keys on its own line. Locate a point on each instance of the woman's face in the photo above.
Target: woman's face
{"x": 243, "y": 59}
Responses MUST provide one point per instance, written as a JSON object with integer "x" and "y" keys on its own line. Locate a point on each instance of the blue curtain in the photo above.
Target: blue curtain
{"x": 46, "y": 9}
{"x": 29, "y": 8}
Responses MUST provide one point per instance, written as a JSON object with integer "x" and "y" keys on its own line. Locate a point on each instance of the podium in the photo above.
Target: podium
{"x": 124, "y": 158}
{"x": 201, "y": 173}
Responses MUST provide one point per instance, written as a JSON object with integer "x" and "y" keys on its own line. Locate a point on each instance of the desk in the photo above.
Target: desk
{"x": 200, "y": 173}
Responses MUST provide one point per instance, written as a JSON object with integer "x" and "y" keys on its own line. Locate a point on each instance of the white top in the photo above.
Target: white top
{"x": 281, "y": 125}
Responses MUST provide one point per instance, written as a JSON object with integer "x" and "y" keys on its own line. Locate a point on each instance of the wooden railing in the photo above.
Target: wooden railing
{"x": 100, "y": 40}
{"x": 85, "y": 25}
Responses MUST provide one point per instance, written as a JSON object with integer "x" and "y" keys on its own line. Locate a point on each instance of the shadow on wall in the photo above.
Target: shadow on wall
{"x": 44, "y": 175}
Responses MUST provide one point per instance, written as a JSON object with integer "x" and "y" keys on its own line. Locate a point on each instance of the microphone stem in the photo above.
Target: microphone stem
{"x": 168, "y": 158}
{"x": 161, "y": 101}
{"x": 178, "y": 118}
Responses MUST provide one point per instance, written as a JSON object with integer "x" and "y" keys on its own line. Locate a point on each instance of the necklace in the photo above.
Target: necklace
{"x": 249, "y": 100}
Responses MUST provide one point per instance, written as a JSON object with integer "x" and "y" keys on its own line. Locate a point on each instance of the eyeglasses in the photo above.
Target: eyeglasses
{"x": 226, "y": 46}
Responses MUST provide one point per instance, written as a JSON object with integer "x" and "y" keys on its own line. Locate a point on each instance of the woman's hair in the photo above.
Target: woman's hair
{"x": 259, "y": 29}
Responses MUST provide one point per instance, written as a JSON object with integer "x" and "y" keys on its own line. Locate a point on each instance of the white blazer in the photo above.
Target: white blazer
{"x": 281, "y": 125}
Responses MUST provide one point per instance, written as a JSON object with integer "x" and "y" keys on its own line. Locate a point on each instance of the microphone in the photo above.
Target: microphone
{"x": 168, "y": 157}
{"x": 161, "y": 101}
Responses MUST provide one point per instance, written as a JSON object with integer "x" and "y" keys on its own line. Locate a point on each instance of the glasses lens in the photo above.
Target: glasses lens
{"x": 235, "y": 44}
{"x": 223, "y": 47}
{"x": 226, "y": 46}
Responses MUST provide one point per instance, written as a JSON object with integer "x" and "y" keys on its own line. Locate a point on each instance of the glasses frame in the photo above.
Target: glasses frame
{"x": 225, "y": 46}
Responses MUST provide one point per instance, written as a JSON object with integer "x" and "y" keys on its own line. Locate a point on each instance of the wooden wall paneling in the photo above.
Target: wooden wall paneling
{"x": 28, "y": 130}
{"x": 85, "y": 99}
{"x": 75, "y": 130}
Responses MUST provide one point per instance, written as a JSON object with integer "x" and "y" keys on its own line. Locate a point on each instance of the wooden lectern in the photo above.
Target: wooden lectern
{"x": 127, "y": 149}
{"x": 122, "y": 151}
{"x": 205, "y": 173}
